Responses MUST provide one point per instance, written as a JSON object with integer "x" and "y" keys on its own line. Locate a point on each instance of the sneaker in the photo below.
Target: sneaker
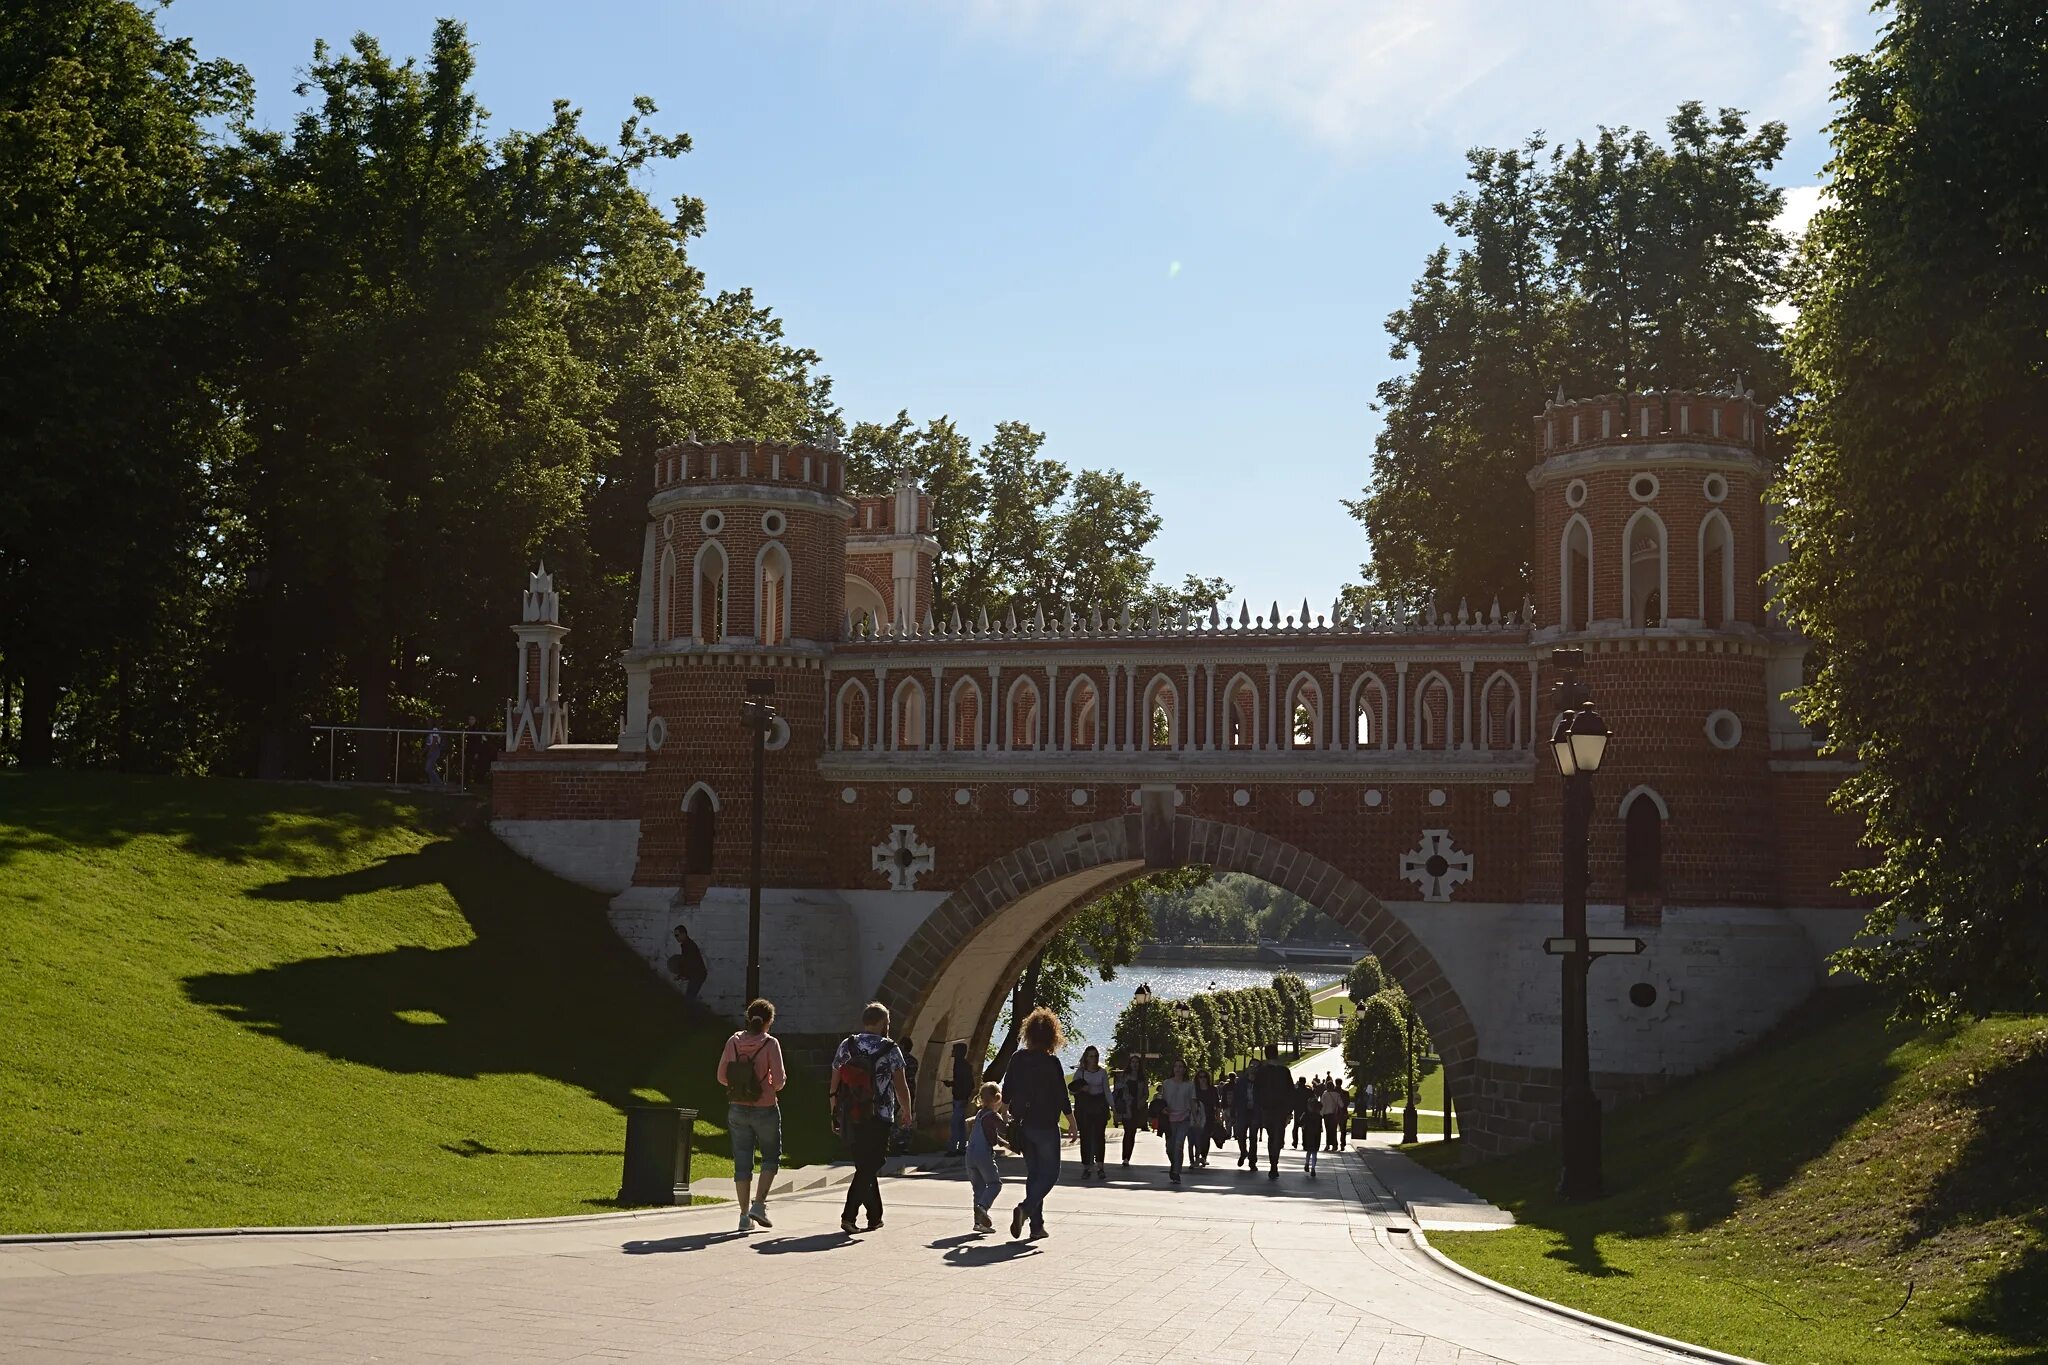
{"x": 1017, "y": 1221}
{"x": 981, "y": 1220}
{"x": 746, "y": 1223}
{"x": 1039, "y": 1234}
{"x": 848, "y": 1226}
{"x": 759, "y": 1213}
{"x": 875, "y": 1226}
{"x": 1174, "y": 1176}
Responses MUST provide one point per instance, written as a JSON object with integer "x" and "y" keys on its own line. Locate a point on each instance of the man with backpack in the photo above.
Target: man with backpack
{"x": 870, "y": 1097}
{"x": 1273, "y": 1093}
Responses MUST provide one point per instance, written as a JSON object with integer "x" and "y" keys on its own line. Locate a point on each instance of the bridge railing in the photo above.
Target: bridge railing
{"x": 402, "y": 756}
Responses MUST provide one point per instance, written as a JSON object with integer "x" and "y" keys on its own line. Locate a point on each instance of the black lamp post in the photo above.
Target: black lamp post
{"x": 1578, "y": 743}
{"x": 760, "y": 718}
{"x": 1141, "y": 1000}
{"x": 1409, "y": 1125}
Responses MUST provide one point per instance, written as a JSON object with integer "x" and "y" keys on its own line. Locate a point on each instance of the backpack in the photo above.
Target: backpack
{"x": 854, "y": 1091}
{"x": 742, "y": 1078}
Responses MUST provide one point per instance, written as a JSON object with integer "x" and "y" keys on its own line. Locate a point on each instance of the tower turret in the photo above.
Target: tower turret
{"x": 535, "y": 718}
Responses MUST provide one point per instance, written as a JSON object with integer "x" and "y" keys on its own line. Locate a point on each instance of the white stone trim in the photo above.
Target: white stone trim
{"x": 1621, "y": 811}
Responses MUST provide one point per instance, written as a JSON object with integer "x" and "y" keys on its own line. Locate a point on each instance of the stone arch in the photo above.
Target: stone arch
{"x": 1369, "y": 714}
{"x": 1717, "y": 570}
{"x": 700, "y": 829}
{"x": 907, "y": 723}
{"x": 710, "y": 587}
{"x": 1575, "y": 575}
{"x": 1023, "y": 714}
{"x": 1161, "y": 702}
{"x": 1435, "y": 714}
{"x": 1500, "y": 712}
{"x": 1304, "y": 695}
{"x": 948, "y": 980}
{"x": 851, "y": 716}
{"x": 964, "y": 715}
{"x": 665, "y": 598}
{"x": 864, "y": 605}
{"x": 772, "y": 594}
{"x": 1239, "y": 723}
{"x": 1084, "y": 714}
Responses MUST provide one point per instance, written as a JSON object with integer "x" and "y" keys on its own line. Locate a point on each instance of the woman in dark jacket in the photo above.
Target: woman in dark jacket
{"x": 1035, "y": 1089}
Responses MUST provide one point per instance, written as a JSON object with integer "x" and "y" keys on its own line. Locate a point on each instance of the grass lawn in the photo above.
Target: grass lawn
{"x": 252, "y": 1003}
{"x": 1785, "y": 1205}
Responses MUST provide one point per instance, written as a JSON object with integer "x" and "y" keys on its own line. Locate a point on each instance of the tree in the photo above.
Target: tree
{"x": 1621, "y": 264}
{"x": 1917, "y": 491}
{"x": 107, "y": 368}
{"x": 1298, "y": 1011}
{"x": 1209, "y": 1017}
{"x": 1366, "y": 980}
{"x": 1375, "y": 1047}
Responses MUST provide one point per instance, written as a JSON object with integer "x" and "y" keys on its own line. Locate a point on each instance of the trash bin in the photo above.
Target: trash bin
{"x": 657, "y": 1155}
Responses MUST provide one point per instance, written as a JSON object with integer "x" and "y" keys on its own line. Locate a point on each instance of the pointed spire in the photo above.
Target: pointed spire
{"x": 1070, "y": 620}
{"x": 1337, "y": 612}
{"x": 953, "y": 622}
{"x": 1559, "y": 400}
{"x": 1244, "y": 614}
{"x": 1493, "y": 616}
{"x": 981, "y": 621}
{"x": 1123, "y": 619}
{"x": 1038, "y": 618}
{"x": 1152, "y": 620}
{"x": 1010, "y": 619}
{"x": 929, "y": 628}
{"x": 1275, "y": 617}
{"x": 1304, "y": 613}
{"x": 1463, "y": 615}
{"x": 1215, "y": 616}
{"x": 1095, "y": 620}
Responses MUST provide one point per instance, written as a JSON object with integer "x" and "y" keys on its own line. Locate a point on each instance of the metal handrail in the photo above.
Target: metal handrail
{"x": 458, "y": 738}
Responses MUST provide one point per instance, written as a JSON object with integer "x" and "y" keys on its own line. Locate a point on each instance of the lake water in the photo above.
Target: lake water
{"x": 1095, "y": 1017}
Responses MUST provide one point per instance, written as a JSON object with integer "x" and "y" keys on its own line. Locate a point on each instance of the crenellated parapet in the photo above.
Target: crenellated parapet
{"x": 1704, "y": 419}
{"x": 1153, "y": 623}
{"x": 796, "y": 464}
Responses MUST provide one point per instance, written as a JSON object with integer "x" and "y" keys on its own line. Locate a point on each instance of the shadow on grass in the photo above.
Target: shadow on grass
{"x": 471, "y": 1147}
{"x": 2000, "y": 1177}
{"x": 545, "y": 988}
{"x": 225, "y": 819}
{"x": 1581, "y": 1251}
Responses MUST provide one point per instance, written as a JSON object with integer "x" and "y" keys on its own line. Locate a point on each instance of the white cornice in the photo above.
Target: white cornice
{"x": 1143, "y": 653}
{"x": 754, "y": 494}
{"x": 1350, "y": 767}
{"x": 1663, "y": 454}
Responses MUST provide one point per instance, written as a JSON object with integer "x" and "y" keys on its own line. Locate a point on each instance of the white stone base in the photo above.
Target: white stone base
{"x": 598, "y": 854}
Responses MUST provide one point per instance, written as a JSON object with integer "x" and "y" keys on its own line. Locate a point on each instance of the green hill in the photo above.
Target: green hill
{"x": 1845, "y": 1192}
{"x": 252, "y": 1003}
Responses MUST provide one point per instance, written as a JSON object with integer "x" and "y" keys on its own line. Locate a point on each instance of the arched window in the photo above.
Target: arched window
{"x": 1241, "y": 714}
{"x": 963, "y": 722}
{"x": 665, "y": 598}
{"x": 1575, "y": 575}
{"x": 1645, "y": 570}
{"x": 1369, "y": 713}
{"x": 1162, "y": 714}
{"x": 864, "y": 604}
{"x": 1643, "y": 859}
{"x": 853, "y": 715}
{"x": 700, "y": 830}
{"x": 1717, "y": 570}
{"x": 1500, "y": 713}
{"x": 1304, "y": 713}
{"x": 771, "y": 595}
{"x": 1432, "y": 713}
{"x": 707, "y": 598}
{"x": 1023, "y": 714}
{"x": 1084, "y": 714}
{"x": 907, "y": 715}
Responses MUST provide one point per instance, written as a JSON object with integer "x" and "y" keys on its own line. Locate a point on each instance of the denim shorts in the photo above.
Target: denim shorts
{"x": 751, "y": 1126}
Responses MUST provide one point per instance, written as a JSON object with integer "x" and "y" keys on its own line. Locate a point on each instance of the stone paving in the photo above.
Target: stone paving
{"x": 1227, "y": 1268}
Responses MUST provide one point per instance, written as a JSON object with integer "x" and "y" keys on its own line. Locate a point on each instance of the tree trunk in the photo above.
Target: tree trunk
{"x": 39, "y": 691}
{"x": 1022, "y": 1001}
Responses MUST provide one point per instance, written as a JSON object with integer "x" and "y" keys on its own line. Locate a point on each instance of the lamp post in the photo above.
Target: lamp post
{"x": 1141, "y": 1000}
{"x": 759, "y": 718}
{"x": 1578, "y": 743}
{"x": 1409, "y": 1125}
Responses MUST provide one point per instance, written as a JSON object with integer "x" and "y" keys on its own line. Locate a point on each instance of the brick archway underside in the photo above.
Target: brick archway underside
{"x": 950, "y": 977}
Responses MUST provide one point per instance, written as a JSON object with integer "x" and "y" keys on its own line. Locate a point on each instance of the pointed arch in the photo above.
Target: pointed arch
{"x": 772, "y": 595}
{"x": 964, "y": 728}
{"x": 851, "y": 720}
{"x": 1645, "y": 570}
{"x": 1433, "y": 713}
{"x": 708, "y": 592}
{"x": 1369, "y": 713}
{"x": 665, "y": 597}
{"x": 1500, "y": 712}
{"x": 1161, "y": 714}
{"x": 1643, "y": 814}
{"x": 1304, "y": 713}
{"x": 1240, "y": 713}
{"x": 1084, "y": 714}
{"x": 907, "y": 715}
{"x": 1717, "y": 570}
{"x": 700, "y": 829}
{"x": 1023, "y": 712}
{"x": 864, "y": 603}
{"x": 1575, "y": 574}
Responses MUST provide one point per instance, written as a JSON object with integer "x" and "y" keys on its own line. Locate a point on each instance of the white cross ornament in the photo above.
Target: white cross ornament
{"x": 902, "y": 858}
{"x": 1435, "y": 865}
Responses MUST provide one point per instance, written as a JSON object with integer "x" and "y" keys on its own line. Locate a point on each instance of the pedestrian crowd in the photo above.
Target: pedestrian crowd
{"x": 873, "y": 1078}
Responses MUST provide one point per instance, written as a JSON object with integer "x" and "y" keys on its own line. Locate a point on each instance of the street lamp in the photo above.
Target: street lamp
{"x": 758, "y": 717}
{"x": 1578, "y": 743}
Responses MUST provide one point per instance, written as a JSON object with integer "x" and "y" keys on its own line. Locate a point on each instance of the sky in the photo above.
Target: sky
{"x": 1167, "y": 233}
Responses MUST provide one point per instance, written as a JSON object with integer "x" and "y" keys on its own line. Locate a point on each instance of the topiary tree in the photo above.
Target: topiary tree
{"x": 1375, "y": 1046}
{"x": 1214, "y": 1035}
{"x": 1367, "y": 979}
{"x": 1272, "y": 1016}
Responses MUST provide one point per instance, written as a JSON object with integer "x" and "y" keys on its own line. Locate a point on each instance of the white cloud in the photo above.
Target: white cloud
{"x": 1350, "y": 72}
{"x": 1801, "y": 202}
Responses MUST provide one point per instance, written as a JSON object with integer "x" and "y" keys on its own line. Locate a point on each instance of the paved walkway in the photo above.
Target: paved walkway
{"x": 1228, "y": 1268}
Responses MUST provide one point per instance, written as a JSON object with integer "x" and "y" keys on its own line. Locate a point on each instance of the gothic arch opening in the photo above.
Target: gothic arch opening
{"x": 708, "y": 597}
{"x": 1575, "y": 575}
{"x": 1645, "y": 570}
{"x": 700, "y": 830}
{"x": 1369, "y": 714}
{"x": 1304, "y": 713}
{"x": 1500, "y": 713}
{"x": 963, "y": 706}
{"x": 1024, "y": 716}
{"x": 771, "y": 595}
{"x": 1433, "y": 714}
{"x": 1084, "y": 714}
{"x": 1717, "y": 570}
{"x": 907, "y": 718}
{"x": 1240, "y": 714}
{"x": 864, "y": 605}
{"x": 852, "y": 720}
{"x": 1162, "y": 714}
{"x": 951, "y": 980}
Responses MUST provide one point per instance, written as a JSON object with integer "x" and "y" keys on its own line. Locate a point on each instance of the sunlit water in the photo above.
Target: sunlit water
{"x": 1094, "y": 1019}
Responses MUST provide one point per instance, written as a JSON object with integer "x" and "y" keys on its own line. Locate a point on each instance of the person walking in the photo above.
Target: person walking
{"x": 1241, "y": 1111}
{"x": 1198, "y": 1125}
{"x": 435, "y": 745}
{"x": 1035, "y": 1089}
{"x": 1179, "y": 1094}
{"x": 1274, "y": 1095}
{"x": 869, "y": 1094}
{"x": 1091, "y": 1110}
{"x": 1132, "y": 1106}
{"x": 900, "y": 1140}
{"x": 687, "y": 964}
{"x": 961, "y": 1083}
{"x": 982, "y": 1146}
{"x": 1310, "y": 1121}
{"x": 750, "y": 1068}
{"x": 1333, "y": 1114}
{"x": 1301, "y": 1107}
